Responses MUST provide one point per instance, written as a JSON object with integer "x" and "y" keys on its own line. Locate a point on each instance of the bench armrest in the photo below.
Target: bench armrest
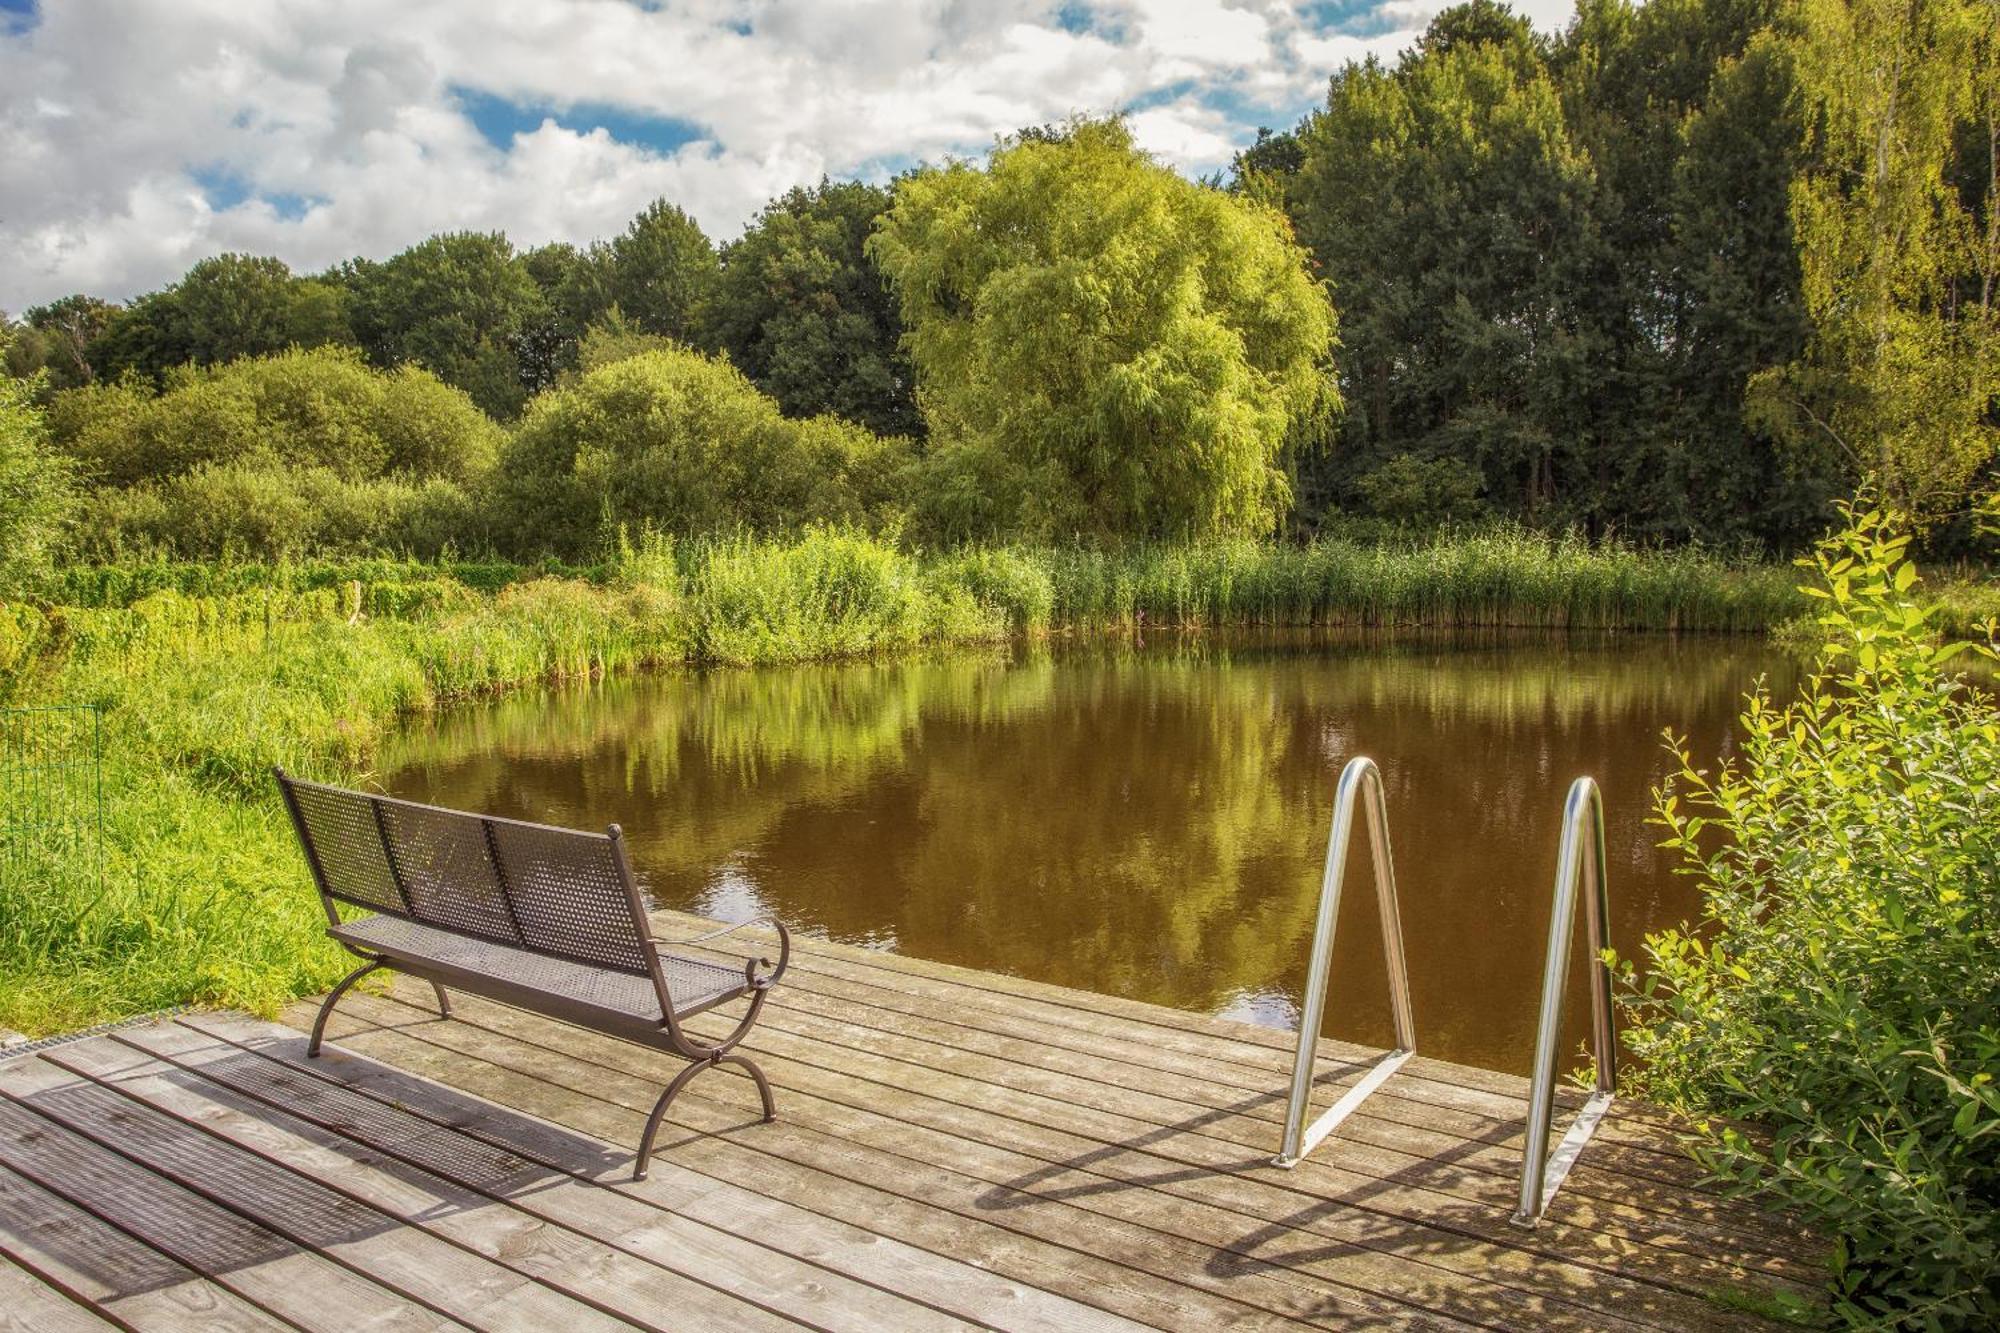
{"x": 750, "y": 976}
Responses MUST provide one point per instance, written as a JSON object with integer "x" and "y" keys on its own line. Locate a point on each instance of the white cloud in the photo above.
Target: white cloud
{"x": 342, "y": 128}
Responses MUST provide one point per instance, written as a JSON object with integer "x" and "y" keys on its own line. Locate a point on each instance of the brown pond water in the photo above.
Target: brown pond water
{"x": 1146, "y": 820}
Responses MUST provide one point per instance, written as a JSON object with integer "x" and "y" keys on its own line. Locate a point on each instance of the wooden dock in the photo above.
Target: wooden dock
{"x": 954, "y": 1149}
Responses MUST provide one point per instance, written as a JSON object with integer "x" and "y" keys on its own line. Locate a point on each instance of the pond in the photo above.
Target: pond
{"x": 1147, "y": 818}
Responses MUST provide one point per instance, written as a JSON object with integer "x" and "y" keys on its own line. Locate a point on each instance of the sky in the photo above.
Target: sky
{"x": 143, "y": 135}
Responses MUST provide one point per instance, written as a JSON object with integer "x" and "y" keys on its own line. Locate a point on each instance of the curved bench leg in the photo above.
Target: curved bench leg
{"x": 681, "y": 1080}
{"x": 444, "y": 1001}
{"x": 763, "y": 1084}
{"x": 333, "y": 998}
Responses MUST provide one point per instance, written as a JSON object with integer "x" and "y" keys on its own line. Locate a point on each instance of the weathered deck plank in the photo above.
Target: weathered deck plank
{"x": 954, "y": 1149}
{"x": 893, "y": 1266}
{"x": 28, "y": 1305}
{"x": 151, "y": 1254}
{"x": 1021, "y": 1167}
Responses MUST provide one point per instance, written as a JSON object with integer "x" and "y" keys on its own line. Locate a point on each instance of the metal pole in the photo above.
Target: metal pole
{"x": 1579, "y": 863}
{"x": 1360, "y": 779}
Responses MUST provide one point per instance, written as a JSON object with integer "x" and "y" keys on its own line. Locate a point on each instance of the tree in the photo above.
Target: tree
{"x": 36, "y": 497}
{"x": 803, "y": 312}
{"x": 1899, "y": 242}
{"x": 1739, "y": 310}
{"x": 1690, "y": 282}
{"x": 225, "y": 307}
{"x": 662, "y": 271}
{"x": 1452, "y": 212}
{"x": 1268, "y": 169}
{"x": 576, "y": 293}
{"x": 58, "y": 337}
{"x": 453, "y": 304}
{"x": 1132, "y": 350}
{"x": 678, "y": 441}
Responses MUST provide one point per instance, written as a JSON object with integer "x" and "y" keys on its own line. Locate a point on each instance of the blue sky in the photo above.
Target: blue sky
{"x": 145, "y": 134}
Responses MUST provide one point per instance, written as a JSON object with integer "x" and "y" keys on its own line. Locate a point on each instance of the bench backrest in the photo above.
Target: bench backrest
{"x": 554, "y": 891}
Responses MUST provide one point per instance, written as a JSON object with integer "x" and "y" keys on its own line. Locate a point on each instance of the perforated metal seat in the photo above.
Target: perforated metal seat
{"x": 618, "y": 997}
{"x": 547, "y": 919}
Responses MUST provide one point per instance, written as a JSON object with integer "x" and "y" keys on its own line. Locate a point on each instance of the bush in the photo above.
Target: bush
{"x": 237, "y": 511}
{"x": 35, "y": 492}
{"x": 321, "y": 409}
{"x": 1843, "y": 987}
{"x": 682, "y": 443}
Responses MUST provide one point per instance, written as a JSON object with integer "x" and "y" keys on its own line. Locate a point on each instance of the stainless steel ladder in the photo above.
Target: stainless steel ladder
{"x": 1579, "y": 862}
{"x": 1359, "y": 780}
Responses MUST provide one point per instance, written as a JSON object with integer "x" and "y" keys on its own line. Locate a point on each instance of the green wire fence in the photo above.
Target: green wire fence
{"x": 51, "y": 797}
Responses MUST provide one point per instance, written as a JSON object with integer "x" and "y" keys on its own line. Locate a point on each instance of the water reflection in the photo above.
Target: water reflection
{"x": 1143, "y": 820}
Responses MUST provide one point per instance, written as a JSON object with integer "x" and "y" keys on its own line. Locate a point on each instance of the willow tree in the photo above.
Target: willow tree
{"x": 1899, "y": 244}
{"x": 1103, "y": 348}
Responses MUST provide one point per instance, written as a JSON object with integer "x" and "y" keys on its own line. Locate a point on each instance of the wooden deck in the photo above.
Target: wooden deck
{"x": 954, "y": 1149}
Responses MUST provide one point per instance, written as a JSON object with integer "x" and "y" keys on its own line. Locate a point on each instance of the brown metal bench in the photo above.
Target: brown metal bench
{"x": 545, "y": 919}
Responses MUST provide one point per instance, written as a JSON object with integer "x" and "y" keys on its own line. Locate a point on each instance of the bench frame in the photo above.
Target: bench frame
{"x": 665, "y": 1034}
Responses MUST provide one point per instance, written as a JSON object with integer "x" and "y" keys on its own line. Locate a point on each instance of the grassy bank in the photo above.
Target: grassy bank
{"x": 210, "y": 675}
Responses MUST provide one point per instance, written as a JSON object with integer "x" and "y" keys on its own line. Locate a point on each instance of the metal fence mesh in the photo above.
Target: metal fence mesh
{"x": 51, "y": 796}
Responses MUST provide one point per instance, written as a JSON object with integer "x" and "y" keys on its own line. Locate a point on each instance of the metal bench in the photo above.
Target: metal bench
{"x": 544, "y": 919}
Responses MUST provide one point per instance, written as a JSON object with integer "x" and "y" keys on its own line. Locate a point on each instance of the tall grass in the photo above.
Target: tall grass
{"x": 209, "y": 676}
{"x": 1506, "y": 578}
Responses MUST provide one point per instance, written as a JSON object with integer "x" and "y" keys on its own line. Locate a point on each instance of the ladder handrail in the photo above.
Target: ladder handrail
{"x": 1360, "y": 779}
{"x": 1541, "y": 1174}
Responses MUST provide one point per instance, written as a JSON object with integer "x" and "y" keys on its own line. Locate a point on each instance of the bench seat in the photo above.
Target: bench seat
{"x": 501, "y": 971}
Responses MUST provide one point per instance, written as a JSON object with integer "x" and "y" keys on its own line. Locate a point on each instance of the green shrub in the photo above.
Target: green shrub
{"x": 683, "y": 443}
{"x": 322, "y": 408}
{"x": 258, "y": 511}
{"x": 1843, "y": 988}
{"x": 35, "y": 486}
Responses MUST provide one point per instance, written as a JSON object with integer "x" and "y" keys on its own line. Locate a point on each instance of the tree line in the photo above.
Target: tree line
{"x": 1688, "y": 271}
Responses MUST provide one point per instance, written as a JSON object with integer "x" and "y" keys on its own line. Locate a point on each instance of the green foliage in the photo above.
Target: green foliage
{"x": 1504, "y": 577}
{"x": 802, "y": 311}
{"x": 662, "y": 272}
{"x": 36, "y": 495}
{"x": 682, "y": 443}
{"x": 1448, "y": 201}
{"x": 455, "y": 305}
{"x": 320, "y": 408}
{"x": 1137, "y": 349}
{"x": 303, "y": 452}
{"x": 229, "y": 306}
{"x": 58, "y": 338}
{"x": 1418, "y": 494}
{"x": 832, "y": 593}
{"x": 1559, "y": 261}
{"x": 1843, "y": 987}
{"x": 1898, "y": 221}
